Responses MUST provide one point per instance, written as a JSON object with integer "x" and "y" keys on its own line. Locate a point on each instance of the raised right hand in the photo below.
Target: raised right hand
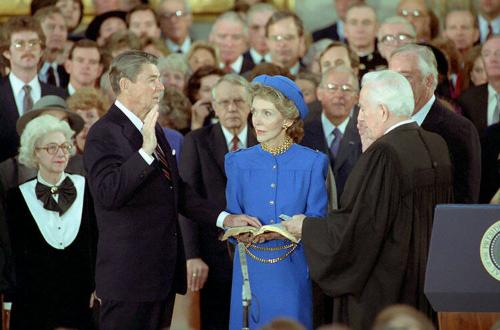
{"x": 148, "y": 131}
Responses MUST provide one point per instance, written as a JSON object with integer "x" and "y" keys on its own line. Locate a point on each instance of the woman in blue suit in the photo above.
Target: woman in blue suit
{"x": 275, "y": 177}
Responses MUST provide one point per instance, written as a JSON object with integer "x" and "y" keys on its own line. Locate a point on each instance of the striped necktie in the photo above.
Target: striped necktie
{"x": 334, "y": 147}
{"x": 27, "y": 100}
{"x": 160, "y": 156}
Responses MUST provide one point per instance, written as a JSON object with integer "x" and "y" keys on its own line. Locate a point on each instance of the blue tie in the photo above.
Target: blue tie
{"x": 334, "y": 147}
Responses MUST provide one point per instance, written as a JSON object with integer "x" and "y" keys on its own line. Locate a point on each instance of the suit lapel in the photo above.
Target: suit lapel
{"x": 350, "y": 142}
{"x": 9, "y": 102}
{"x": 433, "y": 118}
{"x": 482, "y": 112}
{"x": 218, "y": 146}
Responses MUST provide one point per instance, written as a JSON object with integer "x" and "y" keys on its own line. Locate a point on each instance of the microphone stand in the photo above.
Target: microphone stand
{"x": 246, "y": 293}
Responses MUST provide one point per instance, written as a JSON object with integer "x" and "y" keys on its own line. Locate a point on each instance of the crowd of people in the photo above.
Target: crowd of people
{"x": 127, "y": 148}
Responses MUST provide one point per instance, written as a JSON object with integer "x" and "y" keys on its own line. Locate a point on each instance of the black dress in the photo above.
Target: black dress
{"x": 53, "y": 286}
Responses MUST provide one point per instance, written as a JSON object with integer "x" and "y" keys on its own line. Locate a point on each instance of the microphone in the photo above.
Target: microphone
{"x": 246, "y": 292}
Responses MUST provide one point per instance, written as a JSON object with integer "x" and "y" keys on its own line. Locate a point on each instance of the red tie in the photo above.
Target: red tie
{"x": 228, "y": 69}
{"x": 160, "y": 155}
{"x": 235, "y": 142}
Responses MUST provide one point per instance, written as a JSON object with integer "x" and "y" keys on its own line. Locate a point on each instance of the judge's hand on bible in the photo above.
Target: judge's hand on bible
{"x": 148, "y": 131}
{"x": 294, "y": 226}
{"x": 239, "y": 220}
{"x": 197, "y": 273}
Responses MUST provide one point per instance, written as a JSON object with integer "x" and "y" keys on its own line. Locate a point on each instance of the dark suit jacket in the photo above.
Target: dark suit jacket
{"x": 63, "y": 76}
{"x": 465, "y": 151}
{"x": 474, "y": 105}
{"x": 490, "y": 152}
{"x": 248, "y": 63}
{"x": 140, "y": 253}
{"x": 9, "y": 139}
{"x": 349, "y": 150}
{"x": 329, "y": 32}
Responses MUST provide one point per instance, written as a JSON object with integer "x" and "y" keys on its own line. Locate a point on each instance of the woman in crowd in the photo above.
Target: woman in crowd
{"x": 174, "y": 71}
{"x": 174, "y": 111}
{"x": 90, "y": 104}
{"x": 199, "y": 91}
{"x": 52, "y": 232}
{"x": 474, "y": 73}
{"x": 275, "y": 177}
{"x": 201, "y": 54}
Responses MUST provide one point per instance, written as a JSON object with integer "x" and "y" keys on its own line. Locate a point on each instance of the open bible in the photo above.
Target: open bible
{"x": 277, "y": 228}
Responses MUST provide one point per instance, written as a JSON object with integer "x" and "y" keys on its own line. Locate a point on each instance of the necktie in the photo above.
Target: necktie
{"x": 67, "y": 195}
{"x": 496, "y": 113}
{"x": 263, "y": 59}
{"x": 27, "y": 100}
{"x": 228, "y": 69}
{"x": 179, "y": 51}
{"x": 490, "y": 31}
{"x": 235, "y": 142}
{"x": 334, "y": 147}
{"x": 51, "y": 76}
{"x": 160, "y": 156}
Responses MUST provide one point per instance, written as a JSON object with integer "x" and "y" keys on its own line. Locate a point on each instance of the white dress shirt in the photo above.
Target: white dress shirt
{"x": 483, "y": 27}
{"x": 17, "y": 88}
{"x": 59, "y": 231}
{"x": 174, "y": 48}
{"x": 257, "y": 57}
{"x": 328, "y": 128}
{"x": 340, "y": 30}
{"x": 295, "y": 69}
{"x": 492, "y": 103}
{"x": 71, "y": 89}
{"x": 236, "y": 65}
{"x": 419, "y": 117}
{"x": 242, "y": 137}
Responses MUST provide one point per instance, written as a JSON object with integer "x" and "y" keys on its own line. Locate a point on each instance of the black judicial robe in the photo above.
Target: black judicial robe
{"x": 372, "y": 252}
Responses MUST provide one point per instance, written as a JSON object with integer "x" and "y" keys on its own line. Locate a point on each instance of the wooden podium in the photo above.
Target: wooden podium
{"x": 463, "y": 269}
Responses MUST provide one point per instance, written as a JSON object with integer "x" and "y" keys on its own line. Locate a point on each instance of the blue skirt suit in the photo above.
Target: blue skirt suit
{"x": 264, "y": 186}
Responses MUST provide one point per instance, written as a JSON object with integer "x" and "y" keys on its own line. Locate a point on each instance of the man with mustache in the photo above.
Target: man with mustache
{"x": 22, "y": 45}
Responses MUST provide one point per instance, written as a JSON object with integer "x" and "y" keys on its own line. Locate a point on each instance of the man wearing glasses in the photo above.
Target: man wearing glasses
{"x": 22, "y": 45}
{"x": 417, "y": 13}
{"x": 394, "y": 32}
{"x": 175, "y": 21}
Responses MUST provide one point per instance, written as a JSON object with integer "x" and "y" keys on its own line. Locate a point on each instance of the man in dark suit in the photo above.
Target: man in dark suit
{"x": 257, "y": 17}
{"x": 175, "y": 21}
{"x": 138, "y": 193}
{"x": 336, "y": 30}
{"x": 481, "y": 103}
{"x": 334, "y": 131}
{"x": 418, "y": 64}
{"x": 202, "y": 167}
{"x": 22, "y": 45}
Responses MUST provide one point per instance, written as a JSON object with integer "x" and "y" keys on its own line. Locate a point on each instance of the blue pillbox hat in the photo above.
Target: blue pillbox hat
{"x": 288, "y": 88}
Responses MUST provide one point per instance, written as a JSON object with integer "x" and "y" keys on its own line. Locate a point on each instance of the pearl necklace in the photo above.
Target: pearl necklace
{"x": 287, "y": 143}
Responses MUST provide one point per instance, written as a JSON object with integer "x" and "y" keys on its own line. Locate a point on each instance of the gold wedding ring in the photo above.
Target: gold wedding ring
{"x": 194, "y": 274}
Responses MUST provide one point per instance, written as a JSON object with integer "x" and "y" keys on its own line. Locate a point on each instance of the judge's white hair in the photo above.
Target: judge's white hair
{"x": 390, "y": 89}
{"x": 35, "y": 130}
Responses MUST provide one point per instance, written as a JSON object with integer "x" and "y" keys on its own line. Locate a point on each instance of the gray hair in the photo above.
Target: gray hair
{"x": 398, "y": 20}
{"x": 187, "y": 6}
{"x": 391, "y": 89}
{"x": 233, "y": 79}
{"x": 338, "y": 69}
{"x": 427, "y": 63}
{"x": 231, "y": 16}
{"x": 259, "y": 8}
{"x": 34, "y": 131}
{"x": 128, "y": 65}
{"x": 174, "y": 62}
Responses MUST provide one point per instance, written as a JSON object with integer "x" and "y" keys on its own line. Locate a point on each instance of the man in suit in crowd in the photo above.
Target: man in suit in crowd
{"x": 56, "y": 33}
{"x": 336, "y": 30}
{"x": 481, "y": 103}
{"x": 202, "y": 167}
{"x": 257, "y": 17}
{"x": 175, "y": 21}
{"x": 334, "y": 131}
{"x": 394, "y": 32}
{"x": 461, "y": 27}
{"x": 143, "y": 22}
{"x": 138, "y": 194}
{"x": 230, "y": 34}
{"x": 22, "y": 44}
{"x": 285, "y": 39}
{"x": 418, "y": 64}
{"x": 84, "y": 65}
{"x": 489, "y": 19}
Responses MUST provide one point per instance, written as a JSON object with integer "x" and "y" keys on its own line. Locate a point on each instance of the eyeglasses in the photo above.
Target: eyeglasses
{"x": 489, "y": 53}
{"x": 177, "y": 13}
{"x": 226, "y": 103}
{"x": 392, "y": 39}
{"x": 414, "y": 13}
{"x": 286, "y": 37}
{"x": 53, "y": 148}
{"x": 344, "y": 88}
{"x": 22, "y": 44}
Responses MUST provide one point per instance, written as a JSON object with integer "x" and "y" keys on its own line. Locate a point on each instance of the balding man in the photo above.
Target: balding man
{"x": 418, "y": 65}
{"x": 461, "y": 27}
{"x": 394, "y": 32}
{"x": 175, "y": 21}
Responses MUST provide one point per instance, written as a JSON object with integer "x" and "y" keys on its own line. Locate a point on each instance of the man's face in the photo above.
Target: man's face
{"x": 54, "y": 28}
{"x": 284, "y": 43}
{"x": 231, "y": 105}
{"x": 143, "y": 24}
{"x": 308, "y": 89}
{"x": 201, "y": 57}
{"x": 230, "y": 38}
{"x": 370, "y": 116}
{"x": 489, "y": 7}
{"x": 85, "y": 66}
{"x": 338, "y": 95}
{"x": 491, "y": 57}
{"x": 416, "y": 13}
{"x": 174, "y": 79}
{"x": 341, "y": 7}
{"x": 146, "y": 91}
{"x": 257, "y": 31}
{"x": 459, "y": 28}
{"x": 24, "y": 52}
{"x": 335, "y": 56}
{"x": 108, "y": 27}
{"x": 175, "y": 21}
{"x": 361, "y": 26}
{"x": 392, "y": 36}
{"x": 407, "y": 65}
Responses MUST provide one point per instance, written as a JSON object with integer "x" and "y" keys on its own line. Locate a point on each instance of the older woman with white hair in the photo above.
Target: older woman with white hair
{"x": 174, "y": 71}
{"x": 52, "y": 231}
